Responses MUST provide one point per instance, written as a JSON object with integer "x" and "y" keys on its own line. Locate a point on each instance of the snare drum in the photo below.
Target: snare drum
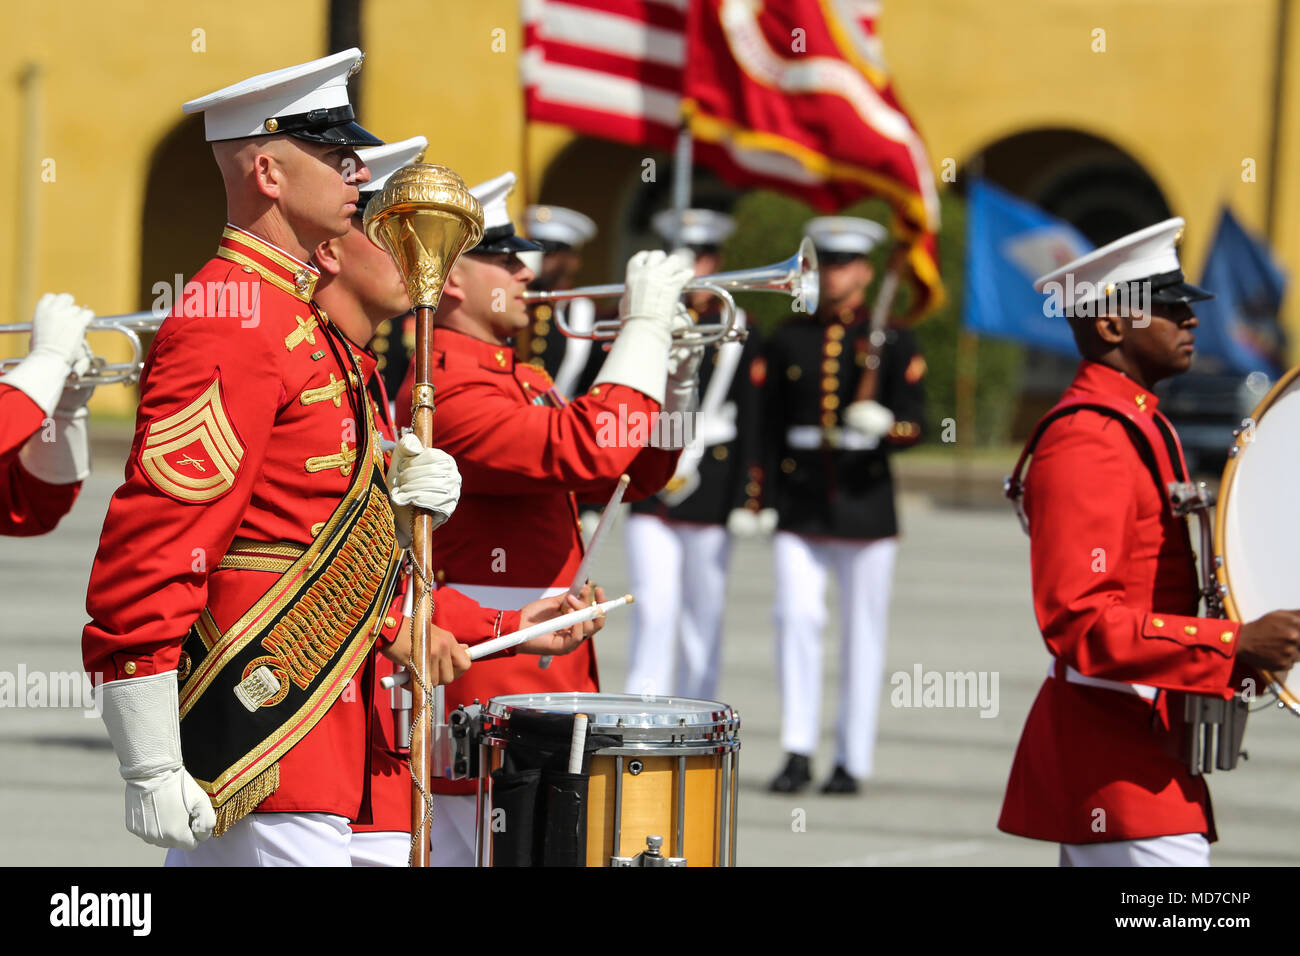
{"x": 1257, "y": 527}
{"x": 665, "y": 767}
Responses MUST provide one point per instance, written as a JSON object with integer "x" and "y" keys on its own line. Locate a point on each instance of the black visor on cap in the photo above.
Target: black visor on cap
{"x": 335, "y": 126}
{"x": 553, "y": 245}
{"x": 503, "y": 239}
{"x": 837, "y": 258}
{"x": 1169, "y": 288}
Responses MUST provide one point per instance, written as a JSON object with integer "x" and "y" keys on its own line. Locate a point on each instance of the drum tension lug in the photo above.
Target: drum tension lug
{"x": 652, "y": 855}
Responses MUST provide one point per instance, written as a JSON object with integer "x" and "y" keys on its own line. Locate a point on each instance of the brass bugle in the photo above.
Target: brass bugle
{"x": 103, "y": 372}
{"x": 796, "y": 277}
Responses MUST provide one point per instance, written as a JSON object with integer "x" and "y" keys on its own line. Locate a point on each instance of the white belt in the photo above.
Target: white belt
{"x": 1145, "y": 691}
{"x": 504, "y": 598}
{"x": 812, "y": 437}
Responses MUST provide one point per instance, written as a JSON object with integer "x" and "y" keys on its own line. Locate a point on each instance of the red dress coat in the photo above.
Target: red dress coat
{"x": 1115, "y": 595}
{"x": 247, "y": 428}
{"x": 523, "y": 456}
{"x": 28, "y": 505}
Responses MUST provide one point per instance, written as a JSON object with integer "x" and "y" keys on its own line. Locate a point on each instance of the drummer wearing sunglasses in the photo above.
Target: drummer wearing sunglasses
{"x": 1101, "y": 768}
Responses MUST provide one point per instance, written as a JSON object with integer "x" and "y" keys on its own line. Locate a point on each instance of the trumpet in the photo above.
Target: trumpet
{"x": 103, "y": 372}
{"x": 795, "y": 276}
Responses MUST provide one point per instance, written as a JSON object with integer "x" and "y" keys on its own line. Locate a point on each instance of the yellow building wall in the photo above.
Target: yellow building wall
{"x": 1183, "y": 86}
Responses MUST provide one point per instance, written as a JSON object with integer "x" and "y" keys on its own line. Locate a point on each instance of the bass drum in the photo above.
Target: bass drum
{"x": 1257, "y": 526}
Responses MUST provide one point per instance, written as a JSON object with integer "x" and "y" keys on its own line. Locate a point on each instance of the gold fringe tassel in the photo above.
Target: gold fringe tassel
{"x": 247, "y": 799}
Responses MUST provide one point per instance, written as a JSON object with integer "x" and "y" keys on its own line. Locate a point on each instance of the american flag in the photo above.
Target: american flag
{"x": 606, "y": 68}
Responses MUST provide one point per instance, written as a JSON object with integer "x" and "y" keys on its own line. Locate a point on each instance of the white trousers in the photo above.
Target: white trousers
{"x": 275, "y": 839}
{"x": 1182, "y": 849}
{"x": 380, "y": 848}
{"x": 678, "y": 572}
{"x": 451, "y": 835}
{"x": 864, "y": 572}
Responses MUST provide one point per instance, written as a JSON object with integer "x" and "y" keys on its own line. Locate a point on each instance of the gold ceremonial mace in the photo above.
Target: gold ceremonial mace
{"x": 425, "y": 218}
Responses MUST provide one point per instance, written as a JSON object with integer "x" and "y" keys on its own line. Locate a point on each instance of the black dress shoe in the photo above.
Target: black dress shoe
{"x": 840, "y": 782}
{"x": 796, "y": 775}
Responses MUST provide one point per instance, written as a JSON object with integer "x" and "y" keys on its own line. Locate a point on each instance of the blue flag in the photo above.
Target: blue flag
{"x": 1238, "y": 329}
{"x": 1009, "y": 244}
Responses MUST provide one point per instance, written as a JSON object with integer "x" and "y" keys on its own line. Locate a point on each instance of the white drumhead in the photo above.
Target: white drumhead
{"x": 1259, "y": 520}
{"x": 609, "y": 711}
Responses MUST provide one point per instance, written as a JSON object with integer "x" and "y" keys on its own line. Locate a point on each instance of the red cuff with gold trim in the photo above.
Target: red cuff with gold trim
{"x": 1213, "y": 633}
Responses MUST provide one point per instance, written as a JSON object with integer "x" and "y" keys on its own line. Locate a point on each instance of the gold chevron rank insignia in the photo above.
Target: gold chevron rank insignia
{"x": 193, "y": 454}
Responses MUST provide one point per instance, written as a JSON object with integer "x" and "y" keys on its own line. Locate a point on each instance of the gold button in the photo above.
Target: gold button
{"x": 538, "y": 346}
{"x": 248, "y": 268}
{"x": 1226, "y": 637}
{"x": 390, "y": 621}
{"x": 541, "y": 327}
{"x": 830, "y": 366}
{"x": 833, "y": 349}
{"x": 1189, "y": 630}
{"x": 596, "y": 391}
{"x": 793, "y": 372}
{"x": 1141, "y": 400}
{"x": 830, "y": 383}
{"x": 543, "y": 312}
{"x": 440, "y": 575}
{"x": 720, "y": 452}
{"x": 787, "y": 465}
{"x": 752, "y": 489}
{"x": 828, "y": 419}
{"x": 272, "y": 125}
{"x": 130, "y": 667}
{"x": 836, "y": 332}
{"x": 830, "y": 401}
{"x": 1157, "y": 622}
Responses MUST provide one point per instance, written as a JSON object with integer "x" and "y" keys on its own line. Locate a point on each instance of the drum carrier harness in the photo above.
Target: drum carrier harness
{"x": 1215, "y": 727}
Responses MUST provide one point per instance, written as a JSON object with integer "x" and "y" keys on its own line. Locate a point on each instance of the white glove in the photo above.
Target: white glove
{"x": 58, "y": 332}
{"x": 683, "y": 389}
{"x": 164, "y": 806}
{"x": 63, "y": 457}
{"x": 870, "y": 418}
{"x": 421, "y": 477}
{"x": 744, "y": 523}
{"x": 639, "y": 356}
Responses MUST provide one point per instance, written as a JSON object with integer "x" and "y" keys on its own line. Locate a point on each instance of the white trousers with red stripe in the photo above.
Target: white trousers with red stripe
{"x": 864, "y": 572}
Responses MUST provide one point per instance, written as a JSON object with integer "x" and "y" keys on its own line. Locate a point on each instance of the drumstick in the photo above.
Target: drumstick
{"x": 577, "y": 744}
{"x": 598, "y": 536}
{"x": 506, "y": 641}
{"x": 602, "y": 528}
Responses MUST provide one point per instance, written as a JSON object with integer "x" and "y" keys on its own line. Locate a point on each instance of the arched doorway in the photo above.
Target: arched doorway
{"x": 184, "y": 210}
{"x": 1087, "y": 181}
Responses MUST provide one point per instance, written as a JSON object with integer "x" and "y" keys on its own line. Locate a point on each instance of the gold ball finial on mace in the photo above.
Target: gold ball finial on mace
{"x": 424, "y": 217}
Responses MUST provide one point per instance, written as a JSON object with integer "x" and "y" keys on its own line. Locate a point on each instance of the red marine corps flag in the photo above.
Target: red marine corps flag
{"x": 795, "y": 96}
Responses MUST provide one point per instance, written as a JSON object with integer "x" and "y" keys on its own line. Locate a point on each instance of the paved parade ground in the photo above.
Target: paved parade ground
{"x": 961, "y": 604}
